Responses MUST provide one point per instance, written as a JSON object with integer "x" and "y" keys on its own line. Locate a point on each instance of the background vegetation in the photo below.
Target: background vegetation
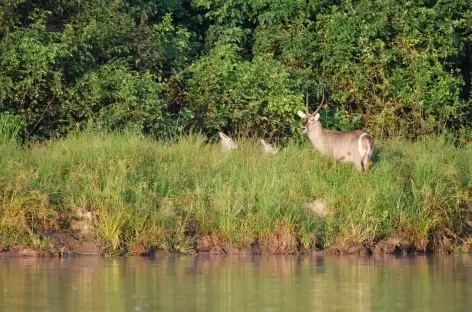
{"x": 394, "y": 67}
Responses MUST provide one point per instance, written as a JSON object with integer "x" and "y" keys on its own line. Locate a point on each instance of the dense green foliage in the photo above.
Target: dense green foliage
{"x": 394, "y": 67}
{"x": 160, "y": 195}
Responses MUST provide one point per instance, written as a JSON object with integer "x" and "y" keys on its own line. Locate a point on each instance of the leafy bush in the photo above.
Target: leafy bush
{"x": 249, "y": 97}
{"x": 396, "y": 68}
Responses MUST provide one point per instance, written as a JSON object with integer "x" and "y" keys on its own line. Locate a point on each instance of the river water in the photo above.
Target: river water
{"x": 236, "y": 283}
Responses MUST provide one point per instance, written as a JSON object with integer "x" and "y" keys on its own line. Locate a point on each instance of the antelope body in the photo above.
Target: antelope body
{"x": 268, "y": 148}
{"x": 226, "y": 142}
{"x": 354, "y": 146}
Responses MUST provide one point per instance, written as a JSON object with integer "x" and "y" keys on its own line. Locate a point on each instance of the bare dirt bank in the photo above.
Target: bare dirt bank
{"x": 64, "y": 244}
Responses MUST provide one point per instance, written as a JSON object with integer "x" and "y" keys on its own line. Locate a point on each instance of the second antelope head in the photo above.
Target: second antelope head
{"x": 226, "y": 142}
{"x": 268, "y": 148}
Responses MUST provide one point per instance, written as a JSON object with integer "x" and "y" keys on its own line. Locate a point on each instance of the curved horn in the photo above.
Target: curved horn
{"x": 306, "y": 104}
{"x": 319, "y": 106}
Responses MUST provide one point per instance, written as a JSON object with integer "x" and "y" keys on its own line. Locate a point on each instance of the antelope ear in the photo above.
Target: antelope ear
{"x": 222, "y": 135}
{"x": 317, "y": 116}
{"x": 301, "y": 114}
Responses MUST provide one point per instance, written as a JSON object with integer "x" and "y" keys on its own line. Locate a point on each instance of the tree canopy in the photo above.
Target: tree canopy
{"x": 394, "y": 67}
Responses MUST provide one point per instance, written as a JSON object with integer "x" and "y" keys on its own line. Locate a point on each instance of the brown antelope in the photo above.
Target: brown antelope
{"x": 226, "y": 142}
{"x": 354, "y": 146}
{"x": 268, "y": 148}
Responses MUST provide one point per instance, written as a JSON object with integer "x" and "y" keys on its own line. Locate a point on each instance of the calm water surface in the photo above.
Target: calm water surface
{"x": 272, "y": 283}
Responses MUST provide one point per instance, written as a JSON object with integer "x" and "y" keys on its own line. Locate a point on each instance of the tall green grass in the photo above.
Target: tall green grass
{"x": 10, "y": 128}
{"x": 164, "y": 194}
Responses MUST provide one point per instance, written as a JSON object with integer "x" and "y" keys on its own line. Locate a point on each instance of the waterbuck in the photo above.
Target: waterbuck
{"x": 226, "y": 142}
{"x": 268, "y": 148}
{"x": 354, "y": 146}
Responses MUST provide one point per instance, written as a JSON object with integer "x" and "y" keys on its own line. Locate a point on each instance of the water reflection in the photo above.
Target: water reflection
{"x": 271, "y": 283}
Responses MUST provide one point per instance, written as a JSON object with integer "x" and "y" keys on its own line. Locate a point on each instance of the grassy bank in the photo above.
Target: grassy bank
{"x": 131, "y": 194}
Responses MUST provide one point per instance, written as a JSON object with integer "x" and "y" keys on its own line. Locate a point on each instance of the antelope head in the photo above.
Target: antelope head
{"x": 312, "y": 121}
{"x": 268, "y": 148}
{"x": 226, "y": 142}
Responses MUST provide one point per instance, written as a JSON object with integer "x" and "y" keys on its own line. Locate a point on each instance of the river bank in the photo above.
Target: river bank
{"x": 66, "y": 244}
{"x": 127, "y": 194}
